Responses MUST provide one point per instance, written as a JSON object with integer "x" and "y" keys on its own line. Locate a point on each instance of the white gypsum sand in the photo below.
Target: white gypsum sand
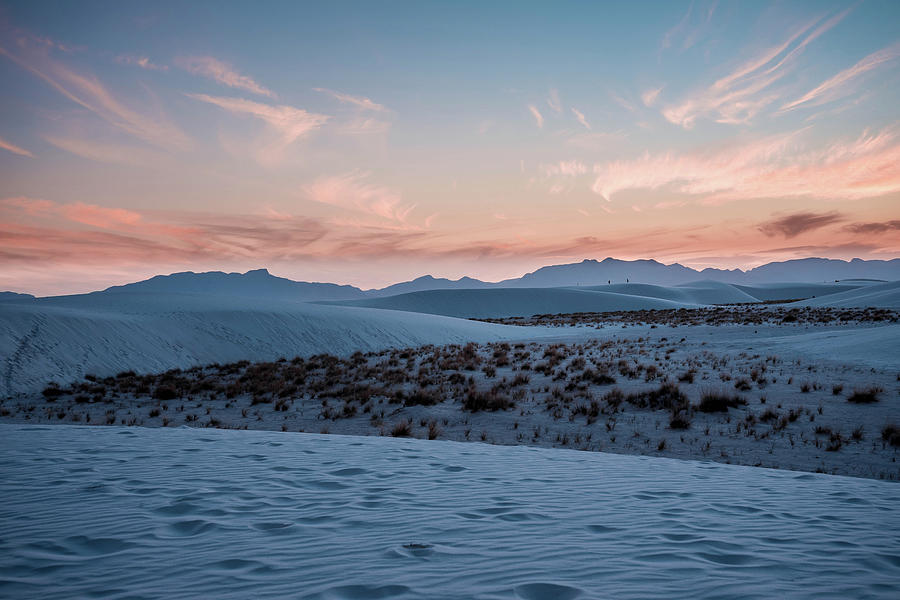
{"x": 635, "y": 389}
{"x": 185, "y": 513}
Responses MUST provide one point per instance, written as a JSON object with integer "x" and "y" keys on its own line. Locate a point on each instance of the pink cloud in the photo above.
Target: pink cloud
{"x": 358, "y": 101}
{"x": 742, "y": 94}
{"x": 221, "y": 72}
{"x": 841, "y": 84}
{"x": 10, "y": 147}
{"x": 538, "y": 117}
{"x": 90, "y": 93}
{"x": 352, "y": 191}
{"x": 286, "y": 122}
{"x": 581, "y": 118}
{"x": 769, "y": 168}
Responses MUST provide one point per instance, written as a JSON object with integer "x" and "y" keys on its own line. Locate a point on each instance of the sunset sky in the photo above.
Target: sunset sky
{"x": 370, "y": 143}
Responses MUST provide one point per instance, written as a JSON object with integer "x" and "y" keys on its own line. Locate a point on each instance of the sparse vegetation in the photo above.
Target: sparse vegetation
{"x": 717, "y": 401}
{"x": 865, "y": 396}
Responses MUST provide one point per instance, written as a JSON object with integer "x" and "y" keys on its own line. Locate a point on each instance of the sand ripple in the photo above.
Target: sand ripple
{"x": 178, "y": 513}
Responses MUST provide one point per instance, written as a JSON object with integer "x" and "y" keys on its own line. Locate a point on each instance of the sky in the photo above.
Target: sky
{"x": 373, "y": 142}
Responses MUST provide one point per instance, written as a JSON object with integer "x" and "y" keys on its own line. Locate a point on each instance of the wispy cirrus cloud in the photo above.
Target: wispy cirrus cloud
{"x": 287, "y": 123}
{"x": 795, "y": 224}
{"x": 775, "y": 167}
{"x": 105, "y": 152}
{"x": 581, "y": 118}
{"x": 690, "y": 27}
{"x": 10, "y": 147}
{"x": 359, "y": 101}
{"x": 742, "y": 94}
{"x": 222, "y": 72}
{"x": 89, "y": 92}
{"x": 538, "y": 117}
{"x": 843, "y": 83}
{"x": 354, "y": 191}
{"x": 621, "y": 101}
{"x": 140, "y": 61}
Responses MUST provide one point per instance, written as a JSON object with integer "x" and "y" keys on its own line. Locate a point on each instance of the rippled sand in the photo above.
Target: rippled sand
{"x": 116, "y": 513}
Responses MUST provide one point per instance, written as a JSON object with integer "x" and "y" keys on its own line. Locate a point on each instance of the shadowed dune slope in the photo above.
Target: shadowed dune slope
{"x": 698, "y": 292}
{"x": 64, "y": 338}
{"x": 882, "y": 295}
{"x": 522, "y": 302}
{"x": 793, "y": 291}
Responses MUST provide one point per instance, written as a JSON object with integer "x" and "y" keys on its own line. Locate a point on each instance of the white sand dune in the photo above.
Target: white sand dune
{"x": 699, "y": 292}
{"x": 513, "y": 302}
{"x": 792, "y": 291}
{"x": 185, "y": 513}
{"x": 64, "y": 338}
{"x": 525, "y": 302}
{"x": 882, "y": 295}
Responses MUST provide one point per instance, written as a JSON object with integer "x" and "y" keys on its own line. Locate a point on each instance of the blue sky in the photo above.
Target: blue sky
{"x": 368, "y": 143}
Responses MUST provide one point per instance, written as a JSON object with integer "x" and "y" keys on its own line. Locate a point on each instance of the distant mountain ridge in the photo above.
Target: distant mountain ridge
{"x": 251, "y": 283}
{"x": 804, "y": 270}
{"x": 588, "y": 272}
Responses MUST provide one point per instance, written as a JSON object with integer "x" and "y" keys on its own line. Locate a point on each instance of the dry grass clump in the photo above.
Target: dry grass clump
{"x": 491, "y": 400}
{"x": 719, "y": 401}
{"x": 679, "y": 420}
{"x": 891, "y": 434}
{"x": 865, "y": 396}
{"x": 422, "y": 398}
{"x": 402, "y": 429}
{"x": 666, "y": 397}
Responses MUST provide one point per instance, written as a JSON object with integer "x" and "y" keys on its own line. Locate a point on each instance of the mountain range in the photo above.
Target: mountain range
{"x": 588, "y": 272}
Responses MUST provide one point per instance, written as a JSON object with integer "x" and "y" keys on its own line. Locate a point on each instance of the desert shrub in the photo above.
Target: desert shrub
{"x": 771, "y": 415}
{"x": 165, "y": 392}
{"x": 597, "y": 378}
{"x": 402, "y": 429}
{"x": 422, "y": 398}
{"x": 52, "y": 392}
{"x": 743, "y": 385}
{"x": 679, "y": 420}
{"x": 433, "y": 430}
{"x": 687, "y": 376}
{"x": 865, "y": 396}
{"x": 456, "y": 379}
{"x": 665, "y": 397}
{"x": 520, "y": 379}
{"x": 614, "y": 397}
{"x": 476, "y": 401}
{"x": 711, "y": 402}
{"x": 891, "y": 434}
